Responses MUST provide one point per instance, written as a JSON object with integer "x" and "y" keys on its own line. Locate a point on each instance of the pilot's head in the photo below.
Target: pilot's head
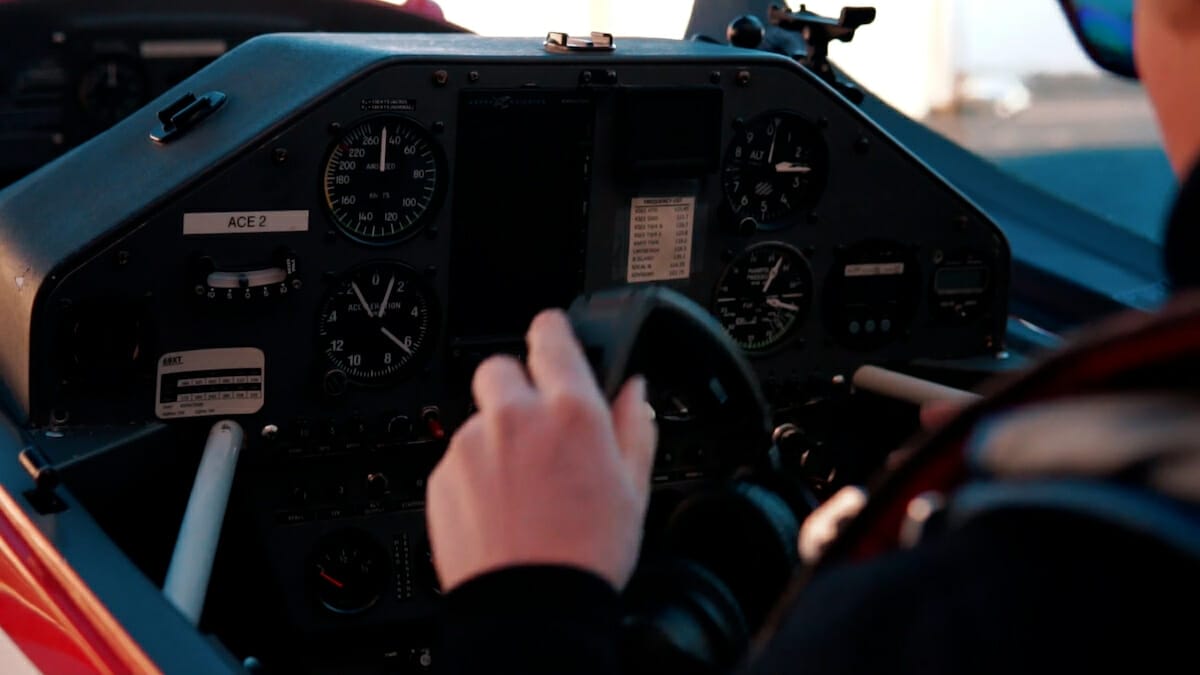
{"x": 1167, "y": 48}
{"x": 1158, "y": 40}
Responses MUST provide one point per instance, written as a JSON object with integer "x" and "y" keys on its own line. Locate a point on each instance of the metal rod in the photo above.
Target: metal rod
{"x": 191, "y": 563}
{"x": 903, "y": 387}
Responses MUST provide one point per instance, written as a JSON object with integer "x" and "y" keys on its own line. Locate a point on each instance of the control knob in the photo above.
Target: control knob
{"x": 746, "y": 31}
{"x": 377, "y": 485}
{"x": 798, "y": 450}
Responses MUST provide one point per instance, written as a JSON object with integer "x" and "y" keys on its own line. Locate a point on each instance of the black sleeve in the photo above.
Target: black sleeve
{"x": 532, "y": 620}
{"x": 1036, "y": 593}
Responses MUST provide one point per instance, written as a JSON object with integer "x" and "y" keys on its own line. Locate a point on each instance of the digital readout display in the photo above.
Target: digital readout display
{"x": 960, "y": 280}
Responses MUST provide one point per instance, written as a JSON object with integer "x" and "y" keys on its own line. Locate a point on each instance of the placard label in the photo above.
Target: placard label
{"x": 660, "y": 238}
{"x": 875, "y": 269}
{"x": 206, "y": 382}
{"x": 245, "y": 222}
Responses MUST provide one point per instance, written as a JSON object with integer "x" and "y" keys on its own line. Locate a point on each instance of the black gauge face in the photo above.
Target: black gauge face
{"x": 776, "y": 165}
{"x": 378, "y": 323}
{"x": 348, "y": 572}
{"x": 872, "y": 293}
{"x": 763, "y": 296}
{"x": 383, "y": 179}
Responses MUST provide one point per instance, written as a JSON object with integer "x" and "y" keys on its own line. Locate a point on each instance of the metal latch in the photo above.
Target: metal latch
{"x": 45, "y": 479}
{"x": 561, "y": 43}
{"x": 184, "y": 113}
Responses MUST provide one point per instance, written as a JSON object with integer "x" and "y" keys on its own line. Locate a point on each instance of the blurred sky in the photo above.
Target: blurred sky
{"x": 999, "y": 36}
{"x": 913, "y": 55}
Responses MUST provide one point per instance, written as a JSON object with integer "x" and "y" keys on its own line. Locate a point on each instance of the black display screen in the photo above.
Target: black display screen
{"x": 520, "y": 208}
{"x": 670, "y": 132}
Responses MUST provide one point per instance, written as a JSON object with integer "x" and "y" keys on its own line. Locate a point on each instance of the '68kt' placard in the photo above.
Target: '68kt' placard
{"x": 206, "y": 382}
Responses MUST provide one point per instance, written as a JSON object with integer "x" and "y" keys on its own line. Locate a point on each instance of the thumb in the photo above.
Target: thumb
{"x": 633, "y": 420}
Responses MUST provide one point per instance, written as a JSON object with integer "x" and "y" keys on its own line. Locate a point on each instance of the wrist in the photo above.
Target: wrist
{"x": 530, "y": 587}
{"x": 502, "y": 622}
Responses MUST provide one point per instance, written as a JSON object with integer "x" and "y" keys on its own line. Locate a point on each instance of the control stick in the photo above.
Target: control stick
{"x": 200, "y": 532}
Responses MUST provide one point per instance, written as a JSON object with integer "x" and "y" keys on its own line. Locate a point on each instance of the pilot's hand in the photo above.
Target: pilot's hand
{"x": 937, "y": 413}
{"x": 545, "y": 472}
{"x": 827, "y": 521}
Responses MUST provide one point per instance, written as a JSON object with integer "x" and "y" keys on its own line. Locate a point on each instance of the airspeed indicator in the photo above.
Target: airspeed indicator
{"x": 383, "y": 179}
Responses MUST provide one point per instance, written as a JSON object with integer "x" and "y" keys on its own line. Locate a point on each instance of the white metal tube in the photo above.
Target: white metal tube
{"x": 199, "y": 533}
{"x": 903, "y": 387}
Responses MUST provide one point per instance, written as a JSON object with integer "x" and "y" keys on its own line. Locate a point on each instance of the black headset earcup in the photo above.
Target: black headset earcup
{"x": 745, "y": 534}
{"x": 681, "y": 619}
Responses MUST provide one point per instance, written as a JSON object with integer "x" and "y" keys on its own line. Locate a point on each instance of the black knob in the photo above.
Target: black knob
{"x": 793, "y": 444}
{"x": 377, "y": 485}
{"x": 399, "y": 428}
{"x": 819, "y": 464}
{"x": 746, "y": 31}
{"x": 746, "y": 226}
{"x": 335, "y": 382}
{"x": 786, "y": 436}
{"x": 298, "y": 496}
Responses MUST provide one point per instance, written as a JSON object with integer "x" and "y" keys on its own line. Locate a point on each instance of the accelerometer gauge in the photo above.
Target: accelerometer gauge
{"x": 378, "y": 323}
{"x": 383, "y": 179}
{"x": 776, "y": 164}
{"x": 763, "y": 296}
{"x": 348, "y": 572}
{"x": 871, "y": 293}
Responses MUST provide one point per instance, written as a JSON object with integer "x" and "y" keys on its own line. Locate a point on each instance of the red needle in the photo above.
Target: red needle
{"x": 331, "y": 580}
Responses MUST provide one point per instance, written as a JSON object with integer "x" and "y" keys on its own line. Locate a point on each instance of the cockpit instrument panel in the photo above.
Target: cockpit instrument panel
{"x": 329, "y": 255}
{"x": 383, "y": 221}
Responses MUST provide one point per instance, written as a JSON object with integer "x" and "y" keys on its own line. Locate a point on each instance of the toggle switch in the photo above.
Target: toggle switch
{"x": 433, "y": 423}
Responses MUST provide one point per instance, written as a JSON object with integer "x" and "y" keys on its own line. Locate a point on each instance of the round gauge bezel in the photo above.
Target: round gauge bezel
{"x": 814, "y": 189}
{"x": 364, "y": 543}
{"x": 423, "y": 354}
{"x": 435, "y": 202}
{"x": 793, "y": 332}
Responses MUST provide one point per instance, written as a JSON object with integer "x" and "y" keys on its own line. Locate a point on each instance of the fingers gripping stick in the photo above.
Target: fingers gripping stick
{"x": 200, "y": 531}
{"x": 660, "y": 334}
